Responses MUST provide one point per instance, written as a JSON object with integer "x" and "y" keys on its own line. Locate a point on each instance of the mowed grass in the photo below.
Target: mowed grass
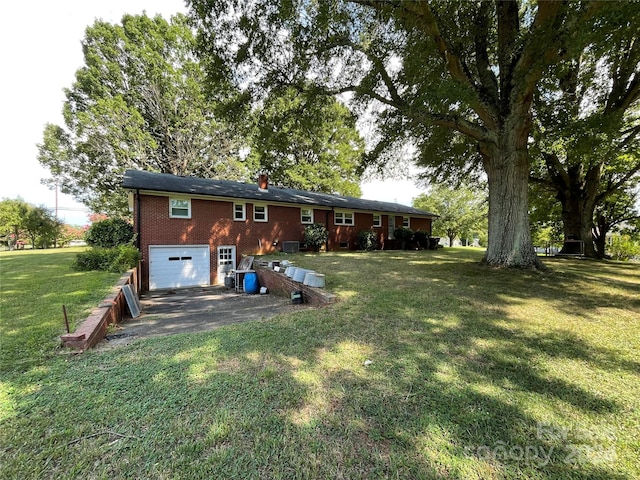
{"x": 475, "y": 373}
{"x": 34, "y": 285}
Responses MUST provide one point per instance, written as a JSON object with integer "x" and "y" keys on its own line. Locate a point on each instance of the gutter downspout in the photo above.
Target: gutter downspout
{"x": 138, "y": 220}
{"x": 327, "y": 225}
{"x": 138, "y": 241}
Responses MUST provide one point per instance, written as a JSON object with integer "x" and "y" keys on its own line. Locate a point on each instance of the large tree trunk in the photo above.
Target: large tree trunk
{"x": 600, "y": 236}
{"x": 577, "y": 194}
{"x": 577, "y": 221}
{"x": 507, "y": 168}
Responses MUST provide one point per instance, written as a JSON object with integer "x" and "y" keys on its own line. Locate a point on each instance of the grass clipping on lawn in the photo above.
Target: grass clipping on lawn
{"x": 473, "y": 373}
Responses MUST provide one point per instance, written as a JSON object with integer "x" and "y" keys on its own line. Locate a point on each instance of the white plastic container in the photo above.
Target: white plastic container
{"x": 299, "y": 275}
{"x": 314, "y": 279}
{"x": 290, "y": 271}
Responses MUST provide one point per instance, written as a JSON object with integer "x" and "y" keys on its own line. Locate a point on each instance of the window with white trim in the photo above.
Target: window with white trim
{"x": 406, "y": 222}
{"x": 306, "y": 215}
{"x": 179, "y": 208}
{"x": 239, "y": 212}
{"x": 377, "y": 220}
{"x": 260, "y": 213}
{"x": 343, "y": 218}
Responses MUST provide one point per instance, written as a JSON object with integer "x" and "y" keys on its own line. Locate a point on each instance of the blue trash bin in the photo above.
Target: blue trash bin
{"x": 250, "y": 283}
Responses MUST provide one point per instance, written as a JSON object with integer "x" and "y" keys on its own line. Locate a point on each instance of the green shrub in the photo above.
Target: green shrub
{"x": 623, "y": 248}
{"x": 315, "y": 236}
{"x": 404, "y": 235}
{"x": 116, "y": 259}
{"x": 110, "y": 233}
{"x": 367, "y": 240}
{"x": 422, "y": 238}
{"x": 128, "y": 257}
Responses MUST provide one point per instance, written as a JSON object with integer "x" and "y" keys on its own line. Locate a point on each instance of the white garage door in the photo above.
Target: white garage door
{"x": 178, "y": 266}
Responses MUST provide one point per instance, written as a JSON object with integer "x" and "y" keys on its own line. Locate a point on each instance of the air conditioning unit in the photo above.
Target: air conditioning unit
{"x": 290, "y": 247}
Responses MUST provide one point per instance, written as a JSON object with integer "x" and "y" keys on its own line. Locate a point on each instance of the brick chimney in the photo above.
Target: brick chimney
{"x": 263, "y": 182}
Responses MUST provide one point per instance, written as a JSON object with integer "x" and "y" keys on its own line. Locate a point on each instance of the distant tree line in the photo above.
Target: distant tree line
{"x": 23, "y": 223}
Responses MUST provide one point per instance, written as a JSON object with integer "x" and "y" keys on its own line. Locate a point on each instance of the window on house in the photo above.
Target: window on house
{"x": 260, "y": 213}
{"x": 179, "y": 208}
{"x": 343, "y": 218}
{"x": 377, "y": 220}
{"x": 405, "y": 222}
{"x": 306, "y": 215}
{"x": 239, "y": 211}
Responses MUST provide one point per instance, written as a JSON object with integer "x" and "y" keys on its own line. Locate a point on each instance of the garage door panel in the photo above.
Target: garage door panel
{"x": 179, "y": 266}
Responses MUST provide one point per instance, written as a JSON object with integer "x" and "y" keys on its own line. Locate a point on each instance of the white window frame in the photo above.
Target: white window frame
{"x": 342, "y": 217}
{"x": 377, "y": 220}
{"x": 179, "y": 199}
{"x": 309, "y": 216}
{"x": 406, "y": 222}
{"x": 266, "y": 213}
{"x": 243, "y": 217}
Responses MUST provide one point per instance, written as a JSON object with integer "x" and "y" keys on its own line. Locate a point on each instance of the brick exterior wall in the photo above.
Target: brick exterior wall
{"x": 212, "y": 224}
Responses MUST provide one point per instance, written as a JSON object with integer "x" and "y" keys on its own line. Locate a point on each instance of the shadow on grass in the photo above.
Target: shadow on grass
{"x": 459, "y": 387}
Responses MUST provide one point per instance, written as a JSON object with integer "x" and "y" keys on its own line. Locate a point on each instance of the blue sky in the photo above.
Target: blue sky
{"x": 40, "y": 48}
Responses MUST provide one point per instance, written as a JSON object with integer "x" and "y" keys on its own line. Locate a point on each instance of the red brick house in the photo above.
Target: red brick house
{"x": 191, "y": 231}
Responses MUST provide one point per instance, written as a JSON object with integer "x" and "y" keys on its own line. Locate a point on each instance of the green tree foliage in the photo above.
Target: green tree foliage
{"x": 587, "y": 123}
{"x": 308, "y": 142}
{"x": 619, "y": 213}
{"x": 463, "y": 211}
{"x": 138, "y": 102}
{"x": 41, "y": 226}
{"x": 19, "y": 219}
{"x": 545, "y": 216}
{"x": 455, "y": 79}
{"x": 624, "y": 247}
{"x": 110, "y": 233}
{"x": 12, "y": 215}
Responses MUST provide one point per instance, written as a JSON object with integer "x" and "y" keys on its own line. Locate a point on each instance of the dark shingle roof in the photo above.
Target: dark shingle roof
{"x": 162, "y": 182}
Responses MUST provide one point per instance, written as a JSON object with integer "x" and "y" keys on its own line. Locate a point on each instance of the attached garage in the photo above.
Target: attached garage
{"x": 173, "y": 266}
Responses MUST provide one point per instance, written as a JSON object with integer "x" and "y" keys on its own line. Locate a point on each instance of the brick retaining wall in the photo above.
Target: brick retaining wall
{"x": 111, "y": 310}
{"x": 279, "y": 284}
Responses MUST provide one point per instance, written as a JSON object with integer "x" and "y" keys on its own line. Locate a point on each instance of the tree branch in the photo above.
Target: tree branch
{"x": 487, "y": 78}
{"x": 613, "y": 186}
{"x": 420, "y": 14}
{"x": 556, "y": 169}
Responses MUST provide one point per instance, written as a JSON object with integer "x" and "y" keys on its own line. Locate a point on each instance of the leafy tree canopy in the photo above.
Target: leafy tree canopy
{"x": 587, "y": 122}
{"x": 19, "y": 219}
{"x": 308, "y": 142}
{"x": 455, "y": 79}
{"x": 12, "y": 215}
{"x": 109, "y": 233}
{"x": 138, "y": 102}
{"x": 463, "y": 211}
{"x": 42, "y": 227}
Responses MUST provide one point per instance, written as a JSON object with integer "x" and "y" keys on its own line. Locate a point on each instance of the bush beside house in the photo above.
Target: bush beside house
{"x": 111, "y": 247}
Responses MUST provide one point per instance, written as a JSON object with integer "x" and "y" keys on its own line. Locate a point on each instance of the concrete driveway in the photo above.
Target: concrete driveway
{"x": 198, "y": 309}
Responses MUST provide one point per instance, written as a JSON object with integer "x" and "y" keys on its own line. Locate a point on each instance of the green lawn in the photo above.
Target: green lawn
{"x": 476, "y": 373}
